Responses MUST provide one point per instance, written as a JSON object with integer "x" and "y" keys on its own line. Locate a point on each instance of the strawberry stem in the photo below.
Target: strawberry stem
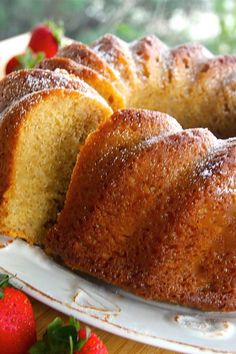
{"x": 71, "y": 345}
{"x": 88, "y": 332}
{"x": 4, "y": 282}
{"x": 74, "y": 322}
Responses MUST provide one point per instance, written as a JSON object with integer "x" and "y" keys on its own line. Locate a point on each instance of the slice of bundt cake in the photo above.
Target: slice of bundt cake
{"x": 45, "y": 117}
{"x": 152, "y": 208}
{"x": 82, "y": 54}
{"x": 104, "y": 87}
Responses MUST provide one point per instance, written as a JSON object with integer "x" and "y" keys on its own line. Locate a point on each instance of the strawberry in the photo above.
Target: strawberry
{"x": 27, "y": 60}
{"x": 93, "y": 345}
{"x": 45, "y": 41}
{"x": 46, "y": 37}
{"x": 12, "y": 65}
{"x": 17, "y": 322}
{"x": 68, "y": 339}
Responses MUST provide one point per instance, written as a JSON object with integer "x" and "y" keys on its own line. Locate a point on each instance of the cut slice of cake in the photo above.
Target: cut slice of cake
{"x": 45, "y": 119}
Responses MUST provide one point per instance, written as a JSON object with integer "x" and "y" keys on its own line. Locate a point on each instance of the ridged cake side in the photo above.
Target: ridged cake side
{"x": 187, "y": 82}
{"x": 152, "y": 210}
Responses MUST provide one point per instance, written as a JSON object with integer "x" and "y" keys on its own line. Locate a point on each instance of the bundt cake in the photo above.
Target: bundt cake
{"x": 187, "y": 82}
{"x": 152, "y": 208}
{"x": 45, "y": 117}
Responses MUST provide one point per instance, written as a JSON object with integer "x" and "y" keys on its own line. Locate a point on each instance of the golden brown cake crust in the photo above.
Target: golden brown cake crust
{"x": 159, "y": 219}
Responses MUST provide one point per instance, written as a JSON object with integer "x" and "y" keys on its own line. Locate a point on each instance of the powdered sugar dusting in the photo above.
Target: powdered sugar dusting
{"x": 117, "y": 54}
{"x": 82, "y": 54}
{"x": 215, "y": 160}
{"x": 22, "y": 83}
{"x": 229, "y": 187}
{"x": 210, "y": 168}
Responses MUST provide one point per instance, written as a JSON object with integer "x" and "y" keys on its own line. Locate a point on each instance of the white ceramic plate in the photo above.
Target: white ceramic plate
{"x": 113, "y": 310}
{"x": 106, "y": 307}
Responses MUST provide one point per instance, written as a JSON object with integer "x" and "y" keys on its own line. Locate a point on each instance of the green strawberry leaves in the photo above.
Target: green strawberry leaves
{"x": 4, "y": 281}
{"x": 29, "y": 60}
{"x": 75, "y": 323}
{"x": 59, "y": 338}
{"x": 56, "y": 29}
{"x": 39, "y": 348}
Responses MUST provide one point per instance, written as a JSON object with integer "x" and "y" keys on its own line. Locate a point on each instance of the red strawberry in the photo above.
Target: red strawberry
{"x": 93, "y": 345}
{"x": 28, "y": 60}
{"x": 12, "y": 65}
{"x": 46, "y": 38}
{"x": 64, "y": 339}
{"x": 17, "y": 322}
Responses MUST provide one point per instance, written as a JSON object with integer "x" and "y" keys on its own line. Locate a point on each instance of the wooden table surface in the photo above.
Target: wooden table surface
{"x": 115, "y": 344}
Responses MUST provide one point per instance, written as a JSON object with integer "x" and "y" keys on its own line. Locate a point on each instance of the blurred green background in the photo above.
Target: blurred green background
{"x": 211, "y": 22}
